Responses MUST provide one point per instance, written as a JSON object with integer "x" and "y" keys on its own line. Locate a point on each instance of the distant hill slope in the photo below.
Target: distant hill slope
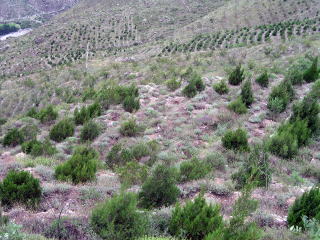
{"x": 143, "y": 28}
{"x": 16, "y": 9}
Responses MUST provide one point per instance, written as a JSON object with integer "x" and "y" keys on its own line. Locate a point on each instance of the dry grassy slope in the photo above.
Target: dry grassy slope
{"x": 16, "y": 9}
{"x": 240, "y": 13}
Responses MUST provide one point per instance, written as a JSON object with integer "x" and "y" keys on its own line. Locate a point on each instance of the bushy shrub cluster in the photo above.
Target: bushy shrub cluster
{"x": 195, "y": 85}
{"x": 307, "y": 205}
{"x": 236, "y": 76}
{"x": 312, "y": 73}
{"x": 120, "y": 155}
{"x": 87, "y": 113}
{"x": 236, "y": 140}
{"x": 20, "y": 187}
{"x": 238, "y": 106}
{"x": 119, "y": 219}
{"x": 288, "y": 138}
{"x": 221, "y": 87}
{"x": 130, "y": 128}
{"x": 37, "y": 148}
{"x": 132, "y": 173}
{"x": 173, "y": 84}
{"x": 255, "y": 169}
{"x": 304, "y": 122}
{"x": 63, "y": 129}
{"x": 307, "y": 109}
{"x": 81, "y": 167}
{"x": 280, "y": 97}
{"x": 47, "y": 114}
{"x": 195, "y": 220}
{"x": 116, "y": 94}
{"x": 246, "y": 93}
{"x": 297, "y": 71}
{"x": 13, "y": 138}
{"x": 159, "y": 189}
{"x": 263, "y": 79}
{"x": 239, "y": 227}
{"x": 131, "y": 104}
{"x": 89, "y": 131}
{"x": 193, "y": 169}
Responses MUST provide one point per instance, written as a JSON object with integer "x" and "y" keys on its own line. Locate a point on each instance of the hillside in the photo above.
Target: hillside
{"x": 30, "y": 9}
{"x": 214, "y": 100}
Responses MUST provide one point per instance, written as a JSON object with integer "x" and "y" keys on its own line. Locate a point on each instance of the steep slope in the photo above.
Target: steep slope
{"x": 17, "y": 9}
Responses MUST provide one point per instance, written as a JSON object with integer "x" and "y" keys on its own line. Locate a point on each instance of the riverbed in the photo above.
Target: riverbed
{"x": 19, "y": 33}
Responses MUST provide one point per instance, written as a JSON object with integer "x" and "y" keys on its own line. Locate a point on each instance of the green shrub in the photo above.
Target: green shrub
{"x": 236, "y": 76}
{"x": 20, "y": 187}
{"x": 238, "y": 106}
{"x": 90, "y": 131}
{"x": 159, "y": 189}
{"x": 193, "y": 170}
{"x": 173, "y": 84}
{"x": 118, "y": 156}
{"x": 246, "y": 93}
{"x": 307, "y": 205}
{"x": 195, "y": 220}
{"x": 33, "y": 113}
{"x": 36, "y": 148}
{"x": 81, "y": 167}
{"x": 13, "y": 138}
{"x": 63, "y": 129}
{"x": 2, "y": 121}
{"x": 239, "y": 227}
{"x": 195, "y": 85}
{"x": 197, "y": 80}
{"x": 236, "y": 140}
{"x": 94, "y": 110}
{"x": 190, "y": 90}
{"x": 47, "y": 114}
{"x": 282, "y": 94}
{"x": 221, "y": 87}
{"x": 312, "y": 73}
{"x": 297, "y": 70}
{"x": 315, "y": 91}
{"x": 285, "y": 142}
{"x": 132, "y": 173}
{"x": 276, "y": 105}
{"x": 263, "y": 79}
{"x": 308, "y": 109}
{"x": 118, "y": 218}
{"x": 131, "y": 104}
{"x": 255, "y": 169}
{"x": 115, "y": 94}
{"x": 130, "y": 128}
{"x": 87, "y": 113}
